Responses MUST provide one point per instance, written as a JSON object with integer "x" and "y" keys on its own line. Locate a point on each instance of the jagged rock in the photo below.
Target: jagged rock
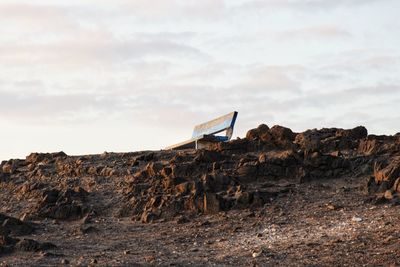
{"x": 386, "y": 175}
{"x": 148, "y": 217}
{"x": 256, "y": 133}
{"x": 153, "y": 168}
{"x": 234, "y": 146}
{"x": 6, "y": 244}
{"x": 9, "y": 244}
{"x": 378, "y": 145}
{"x": 212, "y": 203}
{"x": 13, "y": 226}
{"x": 282, "y": 133}
{"x": 208, "y": 156}
{"x": 88, "y": 229}
{"x": 243, "y": 199}
{"x": 161, "y": 185}
{"x": 44, "y": 157}
{"x": 247, "y": 172}
{"x": 330, "y": 139}
{"x": 12, "y": 165}
{"x": 358, "y": 132}
{"x": 3, "y": 176}
{"x": 63, "y": 205}
{"x": 32, "y": 245}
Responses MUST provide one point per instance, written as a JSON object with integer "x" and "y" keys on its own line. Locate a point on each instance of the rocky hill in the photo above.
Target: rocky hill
{"x": 274, "y": 197}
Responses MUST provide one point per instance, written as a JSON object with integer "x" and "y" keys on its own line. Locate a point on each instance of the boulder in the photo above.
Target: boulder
{"x": 44, "y": 157}
{"x": 387, "y": 170}
{"x": 254, "y": 134}
{"x": 6, "y": 244}
{"x": 12, "y": 165}
{"x": 282, "y": 133}
{"x": 32, "y": 245}
{"x": 358, "y": 132}
{"x": 63, "y": 205}
{"x": 15, "y": 227}
{"x": 212, "y": 203}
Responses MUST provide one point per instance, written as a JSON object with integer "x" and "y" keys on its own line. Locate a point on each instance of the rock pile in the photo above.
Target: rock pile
{"x": 385, "y": 182}
{"x": 242, "y": 173}
{"x": 10, "y": 226}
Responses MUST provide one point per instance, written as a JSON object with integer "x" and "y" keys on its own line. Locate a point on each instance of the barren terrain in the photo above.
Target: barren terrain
{"x": 324, "y": 197}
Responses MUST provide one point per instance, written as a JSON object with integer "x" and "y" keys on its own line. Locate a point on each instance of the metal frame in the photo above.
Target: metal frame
{"x": 206, "y": 132}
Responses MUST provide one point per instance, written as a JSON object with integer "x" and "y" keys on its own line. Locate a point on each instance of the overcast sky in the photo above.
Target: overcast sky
{"x": 124, "y": 75}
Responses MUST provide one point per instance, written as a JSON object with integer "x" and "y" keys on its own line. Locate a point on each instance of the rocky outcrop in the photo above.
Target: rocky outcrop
{"x": 9, "y": 244}
{"x": 11, "y": 227}
{"x": 242, "y": 173}
{"x": 385, "y": 182}
{"x": 15, "y": 227}
{"x": 63, "y": 205}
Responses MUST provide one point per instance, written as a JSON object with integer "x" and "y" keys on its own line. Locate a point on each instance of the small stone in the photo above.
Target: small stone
{"x": 126, "y": 252}
{"x": 150, "y": 258}
{"x": 64, "y": 261}
{"x": 356, "y": 219}
{"x": 86, "y": 219}
{"x": 205, "y": 223}
{"x": 88, "y": 229}
{"x": 251, "y": 214}
{"x": 388, "y": 194}
{"x": 236, "y": 229}
{"x": 262, "y": 158}
{"x": 24, "y": 217}
{"x": 182, "y": 220}
{"x": 331, "y": 207}
{"x": 257, "y": 253}
{"x": 388, "y": 239}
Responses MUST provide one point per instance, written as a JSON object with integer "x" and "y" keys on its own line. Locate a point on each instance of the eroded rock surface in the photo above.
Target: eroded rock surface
{"x": 249, "y": 174}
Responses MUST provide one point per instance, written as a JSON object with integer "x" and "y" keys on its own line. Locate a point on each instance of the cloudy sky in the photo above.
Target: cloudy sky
{"x": 92, "y": 76}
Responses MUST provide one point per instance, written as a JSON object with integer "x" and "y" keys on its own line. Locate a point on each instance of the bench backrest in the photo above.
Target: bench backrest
{"x": 223, "y": 123}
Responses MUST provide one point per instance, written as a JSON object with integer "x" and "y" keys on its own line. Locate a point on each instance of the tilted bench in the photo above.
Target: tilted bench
{"x": 204, "y": 134}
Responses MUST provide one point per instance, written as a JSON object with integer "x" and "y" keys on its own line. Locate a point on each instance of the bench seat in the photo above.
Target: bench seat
{"x": 191, "y": 143}
{"x": 204, "y": 134}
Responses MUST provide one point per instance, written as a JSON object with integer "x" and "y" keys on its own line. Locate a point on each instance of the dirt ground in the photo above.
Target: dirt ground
{"x": 320, "y": 223}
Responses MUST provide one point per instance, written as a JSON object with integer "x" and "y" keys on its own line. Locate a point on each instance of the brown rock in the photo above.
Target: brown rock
{"x": 153, "y": 168}
{"x": 282, "y": 133}
{"x": 212, "y": 203}
{"x": 255, "y": 134}
{"x": 387, "y": 170}
{"x": 6, "y": 244}
{"x": 13, "y": 226}
{"x": 243, "y": 199}
{"x": 32, "y": 245}
{"x": 388, "y": 194}
{"x": 182, "y": 188}
{"x": 11, "y": 166}
{"x": 148, "y": 217}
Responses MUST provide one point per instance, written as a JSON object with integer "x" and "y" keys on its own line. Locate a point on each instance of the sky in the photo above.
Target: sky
{"x": 90, "y": 76}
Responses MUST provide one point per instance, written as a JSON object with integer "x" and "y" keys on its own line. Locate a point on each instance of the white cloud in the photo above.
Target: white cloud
{"x": 138, "y": 70}
{"x": 323, "y": 31}
{"x": 306, "y": 5}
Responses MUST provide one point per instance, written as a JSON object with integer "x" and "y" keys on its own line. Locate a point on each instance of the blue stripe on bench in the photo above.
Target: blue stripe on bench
{"x": 205, "y": 132}
{"x": 215, "y": 126}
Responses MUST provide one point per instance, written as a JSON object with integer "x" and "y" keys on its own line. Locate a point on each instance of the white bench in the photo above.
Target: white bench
{"x": 204, "y": 134}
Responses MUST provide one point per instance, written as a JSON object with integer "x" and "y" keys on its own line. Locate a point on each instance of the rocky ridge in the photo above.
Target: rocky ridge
{"x": 150, "y": 186}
